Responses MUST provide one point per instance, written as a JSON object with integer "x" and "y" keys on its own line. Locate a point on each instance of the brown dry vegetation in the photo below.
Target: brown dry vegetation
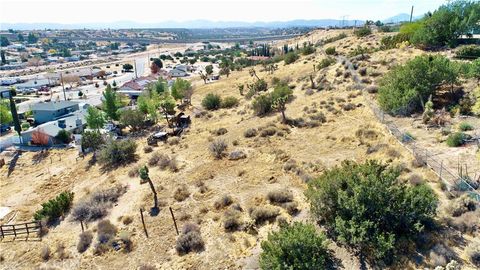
{"x": 273, "y": 163}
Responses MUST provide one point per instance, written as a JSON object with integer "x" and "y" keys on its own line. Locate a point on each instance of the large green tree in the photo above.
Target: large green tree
{"x": 110, "y": 103}
{"x": 404, "y": 89}
{"x": 447, "y": 24}
{"x": 95, "y": 118}
{"x": 181, "y": 89}
{"x": 368, "y": 208}
{"x": 5, "y": 113}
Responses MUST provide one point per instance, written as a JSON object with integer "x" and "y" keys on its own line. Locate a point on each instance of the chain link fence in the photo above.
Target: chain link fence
{"x": 461, "y": 183}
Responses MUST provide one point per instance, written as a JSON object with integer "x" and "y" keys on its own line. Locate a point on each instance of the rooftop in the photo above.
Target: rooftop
{"x": 52, "y": 105}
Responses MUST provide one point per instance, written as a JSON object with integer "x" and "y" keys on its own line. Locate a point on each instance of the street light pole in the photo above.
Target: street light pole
{"x": 63, "y": 86}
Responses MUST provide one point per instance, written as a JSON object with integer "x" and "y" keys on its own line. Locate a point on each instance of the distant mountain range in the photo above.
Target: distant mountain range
{"x": 194, "y": 24}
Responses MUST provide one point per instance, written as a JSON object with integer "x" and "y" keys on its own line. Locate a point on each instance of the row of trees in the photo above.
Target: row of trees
{"x": 405, "y": 89}
{"x": 444, "y": 26}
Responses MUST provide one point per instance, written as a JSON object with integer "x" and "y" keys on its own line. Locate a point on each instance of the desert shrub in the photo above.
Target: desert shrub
{"x": 96, "y": 205}
{"x": 330, "y": 50}
{"x": 307, "y": 49}
{"x": 290, "y": 58}
{"x": 133, "y": 119}
{"x": 295, "y": 246}
{"x": 262, "y": 105}
{"x": 211, "y": 102}
{"x": 362, "y": 71}
{"x": 415, "y": 180}
{"x": 127, "y": 220}
{"x": 60, "y": 251}
{"x": 468, "y": 52}
{"x": 402, "y": 91}
{"x": 116, "y": 153}
{"x": 348, "y": 107}
{"x": 181, "y": 193}
{"x": 461, "y": 205}
{"x": 280, "y": 196}
{"x": 291, "y": 207}
{"x": 319, "y": 117}
{"x": 106, "y": 231}
{"x": 261, "y": 214}
{"x": 362, "y": 32}
{"x": 268, "y": 131}
{"x": 126, "y": 238}
{"x": 190, "y": 240}
{"x": 326, "y": 62}
{"x": 64, "y": 136}
{"x": 220, "y": 131}
{"x": 92, "y": 140}
{"x": 337, "y": 196}
{"x": 232, "y": 220}
{"x": 223, "y": 202}
{"x": 45, "y": 253}
{"x": 236, "y": 155}
{"x": 456, "y": 139}
{"x": 84, "y": 241}
{"x": 465, "y": 126}
{"x": 335, "y": 38}
{"x": 55, "y": 208}
{"x": 473, "y": 252}
{"x": 229, "y": 102}
{"x": 147, "y": 149}
{"x": 147, "y": 267}
{"x": 440, "y": 255}
{"x": 372, "y": 89}
{"x": 163, "y": 161}
{"x": 251, "y": 132}
{"x": 218, "y": 147}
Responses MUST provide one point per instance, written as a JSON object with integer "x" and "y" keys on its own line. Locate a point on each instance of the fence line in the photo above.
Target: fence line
{"x": 21, "y": 228}
{"x": 452, "y": 180}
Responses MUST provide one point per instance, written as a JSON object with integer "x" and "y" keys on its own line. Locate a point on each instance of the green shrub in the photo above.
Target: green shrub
{"x": 92, "y": 140}
{"x": 360, "y": 206}
{"x": 55, "y": 208}
{"x": 456, "y": 139}
{"x": 116, "y": 153}
{"x": 296, "y": 246}
{"x": 25, "y": 126}
{"x": 362, "y": 32}
{"x": 402, "y": 89}
{"x": 468, "y": 52}
{"x": 465, "y": 126}
{"x": 290, "y": 58}
{"x": 335, "y": 38}
{"x": 326, "y": 62}
{"x": 64, "y": 136}
{"x": 262, "y": 105}
{"x": 390, "y": 42}
{"x": 229, "y": 102}
{"x": 309, "y": 49}
{"x": 211, "y": 101}
{"x": 330, "y": 51}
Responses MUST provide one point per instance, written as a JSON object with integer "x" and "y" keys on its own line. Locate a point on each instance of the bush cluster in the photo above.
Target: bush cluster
{"x": 116, "y": 153}
{"x": 362, "y": 32}
{"x": 290, "y": 58}
{"x": 326, "y": 62}
{"x": 456, "y": 139}
{"x": 295, "y": 246}
{"x": 359, "y": 206}
{"x": 330, "y": 51}
{"x": 218, "y": 147}
{"x": 96, "y": 205}
{"x": 190, "y": 240}
{"x": 468, "y": 52}
{"x": 55, "y": 208}
{"x": 211, "y": 102}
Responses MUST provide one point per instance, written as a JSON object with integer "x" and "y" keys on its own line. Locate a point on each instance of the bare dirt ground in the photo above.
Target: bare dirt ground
{"x": 314, "y": 149}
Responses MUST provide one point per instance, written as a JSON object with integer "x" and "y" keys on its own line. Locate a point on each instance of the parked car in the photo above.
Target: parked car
{"x": 5, "y": 128}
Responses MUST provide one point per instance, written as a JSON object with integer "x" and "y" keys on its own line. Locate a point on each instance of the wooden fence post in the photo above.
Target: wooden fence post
{"x": 14, "y": 231}
{"x": 174, "y": 221}
{"x": 26, "y": 227}
{"x": 441, "y": 169}
{"x": 143, "y": 222}
{"x": 81, "y": 224}
{"x": 1, "y": 230}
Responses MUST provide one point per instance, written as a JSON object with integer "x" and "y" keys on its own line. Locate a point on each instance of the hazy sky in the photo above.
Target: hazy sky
{"x": 75, "y": 11}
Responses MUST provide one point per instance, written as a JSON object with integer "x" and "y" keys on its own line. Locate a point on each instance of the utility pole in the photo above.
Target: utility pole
{"x": 411, "y": 15}
{"x": 63, "y": 86}
{"x": 135, "y": 67}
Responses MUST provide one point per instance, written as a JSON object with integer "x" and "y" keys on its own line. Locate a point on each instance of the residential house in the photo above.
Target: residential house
{"x": 73, "y": 123}
{"x": 177, "y": 73}
{"x": 49, "y": 111}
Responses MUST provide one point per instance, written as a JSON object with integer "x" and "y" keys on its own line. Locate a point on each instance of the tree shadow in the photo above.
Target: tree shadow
{"x": 13, "y": 163}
